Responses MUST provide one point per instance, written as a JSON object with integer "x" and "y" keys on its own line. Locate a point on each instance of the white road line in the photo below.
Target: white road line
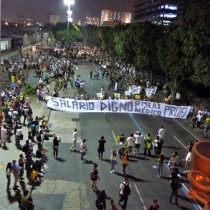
{"x": 114, "y": 135}
{"x": 137, "y": 190}
{"x": 179, "y": 141}
{"x": 187, "y": 130}
{"x": 140, "y": 197}
{"x": 91, "y": 83}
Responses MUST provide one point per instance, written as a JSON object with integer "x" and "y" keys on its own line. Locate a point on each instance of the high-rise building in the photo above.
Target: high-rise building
{"x": 156, "y": 11}
{"x": 113, "y": 17}
{"x": 92, "y": 21}
{"x": 54, "y": 19}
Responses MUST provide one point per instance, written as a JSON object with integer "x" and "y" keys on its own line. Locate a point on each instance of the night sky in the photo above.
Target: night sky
{"x": 39, "y": 10}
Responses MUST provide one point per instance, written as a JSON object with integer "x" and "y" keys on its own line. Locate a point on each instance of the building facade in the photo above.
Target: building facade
{"x": 156, "y": 11}
{"x": 113, "y": 17}
{"x": 89, "y": 20}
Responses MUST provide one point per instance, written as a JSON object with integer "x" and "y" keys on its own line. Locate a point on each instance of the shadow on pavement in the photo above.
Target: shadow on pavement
{"x": 60, "y": 159}
{"x": 15, "y": 197}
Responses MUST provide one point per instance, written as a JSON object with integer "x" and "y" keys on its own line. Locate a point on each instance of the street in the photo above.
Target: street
{"x": 66, "y": 182}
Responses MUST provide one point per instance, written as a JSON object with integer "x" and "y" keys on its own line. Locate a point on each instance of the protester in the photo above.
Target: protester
{"x": 101, "y": 147}
{"x": 83, "y": 149}
{"x": 138, "y": 139}
{"x": 94, "y": 177}
{"x": 124, "y": 192}
{"x": 113, "y": 159}
{"x": 56, "y": 141}
{"x": 125, "y": 158}
{"x": 8, "y": 174}
{"x": 75, "y": 134}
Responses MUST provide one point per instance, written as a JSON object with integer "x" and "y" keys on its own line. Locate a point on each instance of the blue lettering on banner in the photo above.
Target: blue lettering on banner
{"x": 119, "y": 106}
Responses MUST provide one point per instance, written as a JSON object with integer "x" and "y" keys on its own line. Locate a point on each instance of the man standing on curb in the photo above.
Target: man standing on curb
{"x": 73, "y": 147}
{"x": 124, "y": 192}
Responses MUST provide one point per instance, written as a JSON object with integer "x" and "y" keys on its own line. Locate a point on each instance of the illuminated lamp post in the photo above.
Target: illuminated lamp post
{"x": 69, "y": 19}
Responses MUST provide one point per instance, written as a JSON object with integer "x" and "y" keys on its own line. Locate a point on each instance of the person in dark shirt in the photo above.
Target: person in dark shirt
{"x": 101, "y": 148}
{"x": 155, "y": 205}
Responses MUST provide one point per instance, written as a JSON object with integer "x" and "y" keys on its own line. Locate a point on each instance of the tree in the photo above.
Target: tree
{"x": 172, "y": 60}
{"x": 194, "y": 32}
{"x": 146, "y": 36}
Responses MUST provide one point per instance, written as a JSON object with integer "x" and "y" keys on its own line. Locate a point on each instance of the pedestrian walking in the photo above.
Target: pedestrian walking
{"x": 75, "y": 134}
{"x": 21, "y": 163}
{"x": 147, "y": 144}
{"x": 160, "y": 163}
{"x": 161, "y": 132}
{"x": 101, "y": 147}
{"x": 113, "y": 159}
{"x": 155, "y": 205}
{"x": 130, "y": 142}
{"x": 4, "y": 135}
{"x": 8, "y": 174}
{"x": 18, "y": 136}
{"x": 125, "y": 157}
{"x": 83, "y": 149}
{"x": 175, "y": 185}
{"x": 124, "y": 192}
{"x": 103, "y": 197}
{"x": 56, "y": 141}
{"x": 94, "y": 177}
{"x": 188, "y": 160}
{"x": 16, "y": 173}
{"x": 138, "y": 139}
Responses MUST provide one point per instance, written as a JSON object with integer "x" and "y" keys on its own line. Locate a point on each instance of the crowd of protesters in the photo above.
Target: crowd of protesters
{"x": 18, "y": 113}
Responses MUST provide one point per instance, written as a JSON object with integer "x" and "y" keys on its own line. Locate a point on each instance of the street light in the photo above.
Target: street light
{"x": 69, "y": 19}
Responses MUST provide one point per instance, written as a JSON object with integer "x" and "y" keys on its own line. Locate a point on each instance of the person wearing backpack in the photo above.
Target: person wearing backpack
{"x": 124, "y": 192}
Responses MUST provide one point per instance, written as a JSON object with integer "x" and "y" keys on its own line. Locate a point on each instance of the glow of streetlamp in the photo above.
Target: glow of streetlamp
{"x": 68, "y": 2}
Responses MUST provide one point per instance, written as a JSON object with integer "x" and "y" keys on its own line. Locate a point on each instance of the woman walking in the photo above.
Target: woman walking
{"x": 125, "y": 157}
{"x": 113, "y": 160}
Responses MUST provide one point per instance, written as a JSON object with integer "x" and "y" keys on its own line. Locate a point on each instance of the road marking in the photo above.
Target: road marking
{"x": 140, "y": 197}
{"x": 179, "y": 141}
{"x": 195, "y": 205}
{"x": 91, "y": 83}
{"x": 186, "y": 129}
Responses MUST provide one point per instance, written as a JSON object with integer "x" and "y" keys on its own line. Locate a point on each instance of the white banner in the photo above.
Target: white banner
{"x": 119, "y": 106}
{"x": 133, "y": 89}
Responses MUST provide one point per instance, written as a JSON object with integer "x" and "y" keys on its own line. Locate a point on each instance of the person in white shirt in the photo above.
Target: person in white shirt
{"x": 83, "y": 149}
{"x": 130, "y": 142}
{"x": 138, "y": 139}
{"x": 161, "y": 132}
{"x": 188, "y": 160}
{"x": 4, "y": 135}
{"x": 75, "y": 134}
{"x": 18, "y": 136}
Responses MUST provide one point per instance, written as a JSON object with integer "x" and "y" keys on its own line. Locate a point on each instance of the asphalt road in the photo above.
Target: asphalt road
{"x": 143, "y": 177}
{"x": 66, "y": 182}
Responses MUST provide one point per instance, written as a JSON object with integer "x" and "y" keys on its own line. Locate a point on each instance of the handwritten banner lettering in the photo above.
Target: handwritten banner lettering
{"x": 119, "y": 106}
